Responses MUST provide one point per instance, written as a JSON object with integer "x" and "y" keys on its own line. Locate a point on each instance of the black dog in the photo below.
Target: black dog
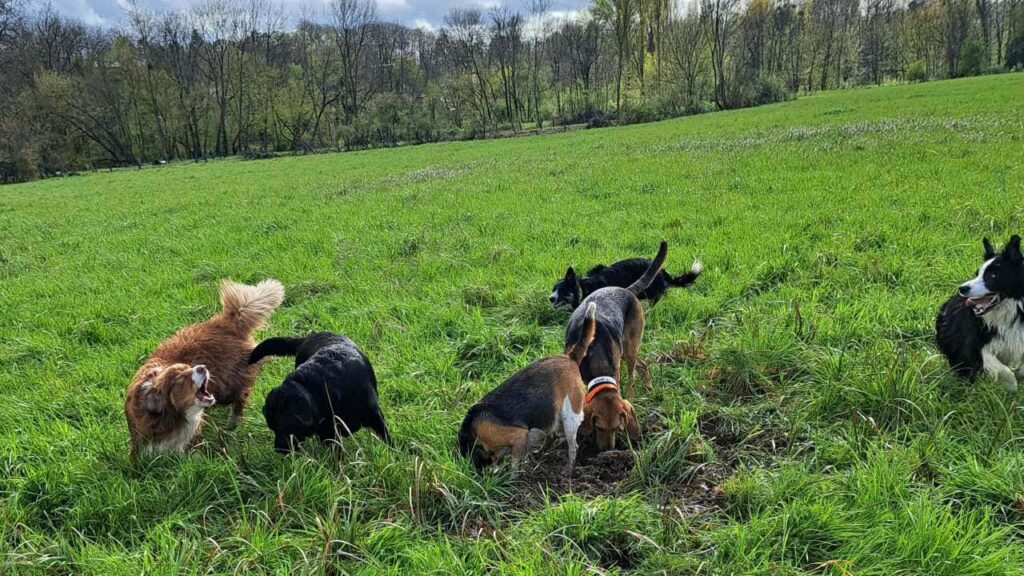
{"x": 571, "y": 290}
{"x": 332, "y": 391}
{"x": 981, "y": 328}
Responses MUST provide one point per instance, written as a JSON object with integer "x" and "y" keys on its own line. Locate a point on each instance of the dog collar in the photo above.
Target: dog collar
{"x": 599, "y": 384}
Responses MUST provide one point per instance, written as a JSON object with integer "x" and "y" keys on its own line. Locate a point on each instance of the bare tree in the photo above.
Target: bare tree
{"x": 684, "y": 52}
{"x": 321, "y": 79}
{"x": 622, "y": 17}
{"x": 352, "y": 20}
{"x": 538, "y": 15}
{"x": 506, "y": 44}
{"x": 467, "y": 32}
{"x": 718, "y": 19}
{"x": 215, "y": 26}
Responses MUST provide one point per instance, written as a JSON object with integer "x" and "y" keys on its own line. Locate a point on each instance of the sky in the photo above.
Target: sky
{"x": 415, "y": 13}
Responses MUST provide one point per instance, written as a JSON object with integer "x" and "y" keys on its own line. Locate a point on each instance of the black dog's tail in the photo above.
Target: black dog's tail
{"x": 652, "y": 271}
{"x": 686, "y": 278}
{"x": 275, "y": 347}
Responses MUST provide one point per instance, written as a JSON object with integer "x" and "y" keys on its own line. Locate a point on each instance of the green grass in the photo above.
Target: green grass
{"x": 800, "y": 421}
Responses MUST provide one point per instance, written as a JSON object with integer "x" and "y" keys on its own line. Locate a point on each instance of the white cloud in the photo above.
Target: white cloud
{"x": 427, "y": 14}
{"x": 84, "y": 12}
{"x": 424, "y": 24}
{"x": 389, "y": 5}
{"x": 544, "y": 26}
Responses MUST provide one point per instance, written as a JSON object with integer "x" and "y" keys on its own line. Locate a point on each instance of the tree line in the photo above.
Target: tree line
{"x": 242, "y": 77}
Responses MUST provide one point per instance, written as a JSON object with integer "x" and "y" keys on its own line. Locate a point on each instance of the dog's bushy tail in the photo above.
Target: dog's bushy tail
{"x": 275, "y": 347}
{"x": 248, "y": 307}
{"x": 687, "y": 278}
{"x": 652, "y": 271}
{"x": 578, "y": 349}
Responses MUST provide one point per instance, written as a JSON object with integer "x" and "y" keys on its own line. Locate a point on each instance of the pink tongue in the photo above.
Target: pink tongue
{"x": 980, "y": 300}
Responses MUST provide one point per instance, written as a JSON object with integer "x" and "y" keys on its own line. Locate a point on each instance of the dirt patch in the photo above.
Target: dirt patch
{"x": 696, "y": 490}
{"x": 596, "y": 473}
{"x": 732, "y": 437}
{"x": 610, "y": 473}
{"x": 682, "y": 352}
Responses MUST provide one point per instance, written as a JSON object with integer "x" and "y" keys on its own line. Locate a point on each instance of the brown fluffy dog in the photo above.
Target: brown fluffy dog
{"x": 620, "y": 329}
{"x": 198, "y": 366}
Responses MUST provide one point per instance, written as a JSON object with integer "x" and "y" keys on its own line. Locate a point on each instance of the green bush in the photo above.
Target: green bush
{"x": 770, "y": 89}
{"x": 973, "y": 59}
{"x": 917, "y": 72}
{"x": 1015, "y": 52}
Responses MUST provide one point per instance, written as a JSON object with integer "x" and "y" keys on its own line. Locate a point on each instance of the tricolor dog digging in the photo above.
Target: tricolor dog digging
{"x": 199, "y": 366}
{"x": 530, "y": 406}
{"x": 982, "y": 326}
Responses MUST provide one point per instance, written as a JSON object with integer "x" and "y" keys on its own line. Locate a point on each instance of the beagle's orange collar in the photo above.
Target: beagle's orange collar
{"x": 599, "y": 384}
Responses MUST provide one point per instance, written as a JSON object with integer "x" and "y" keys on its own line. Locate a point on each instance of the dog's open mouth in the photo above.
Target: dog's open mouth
{"x": 982, "y": 304}
{"x": 201, "y": 377}
{"x": 204, "y": 397}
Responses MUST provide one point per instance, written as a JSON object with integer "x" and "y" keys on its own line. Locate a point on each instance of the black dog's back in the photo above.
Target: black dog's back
{"x": 623, "y": 273}
{"x": 337, "y": 380}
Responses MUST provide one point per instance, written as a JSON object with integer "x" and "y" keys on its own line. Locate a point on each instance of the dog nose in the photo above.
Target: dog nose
{"x": 964, "y": 289}
{"x": 551, "y": 298}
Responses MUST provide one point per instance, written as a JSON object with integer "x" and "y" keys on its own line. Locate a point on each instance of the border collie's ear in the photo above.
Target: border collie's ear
{"x": 1012, "y": 250}
{"x": 990, "y": 252}
{"x": 153, "y": 401}
{"x": 570, "y": 274}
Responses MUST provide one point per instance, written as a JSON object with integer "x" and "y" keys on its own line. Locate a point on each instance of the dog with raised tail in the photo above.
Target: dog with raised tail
{"x": 620, "y": 329}
{"x": 534, "y": 403}
{"x": 572, "y": 289}
{"x": 200, "y": 365}
{"x": 981, "y": 327}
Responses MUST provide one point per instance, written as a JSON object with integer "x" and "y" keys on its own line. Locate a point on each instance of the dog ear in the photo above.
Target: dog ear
{"x": 1012, "y": 250}
{"x": 990, "y": 252}
{"x": 304, "y": 418}
{"x": 587, "y": 426}
{"x": 302, "y": 410}
{"x": 570, "y": 274}
{"x": 153, "y": 400}
{"x": 629, "y": 421}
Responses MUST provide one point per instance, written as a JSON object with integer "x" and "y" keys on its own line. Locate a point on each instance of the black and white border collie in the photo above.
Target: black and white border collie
{"x": 571, "y": 289}
{"x": 982, "y": 326}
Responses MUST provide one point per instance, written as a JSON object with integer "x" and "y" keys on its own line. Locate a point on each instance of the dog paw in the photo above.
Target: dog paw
{"x": 1008, "y": 380}
{"x": 535, "y": 439}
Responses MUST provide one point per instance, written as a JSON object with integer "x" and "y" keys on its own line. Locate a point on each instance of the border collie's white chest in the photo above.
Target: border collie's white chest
{"x": 1008, "y": 344}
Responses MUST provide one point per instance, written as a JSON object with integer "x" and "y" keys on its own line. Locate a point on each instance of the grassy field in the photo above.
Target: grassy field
{"x": 800, "y": 421}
